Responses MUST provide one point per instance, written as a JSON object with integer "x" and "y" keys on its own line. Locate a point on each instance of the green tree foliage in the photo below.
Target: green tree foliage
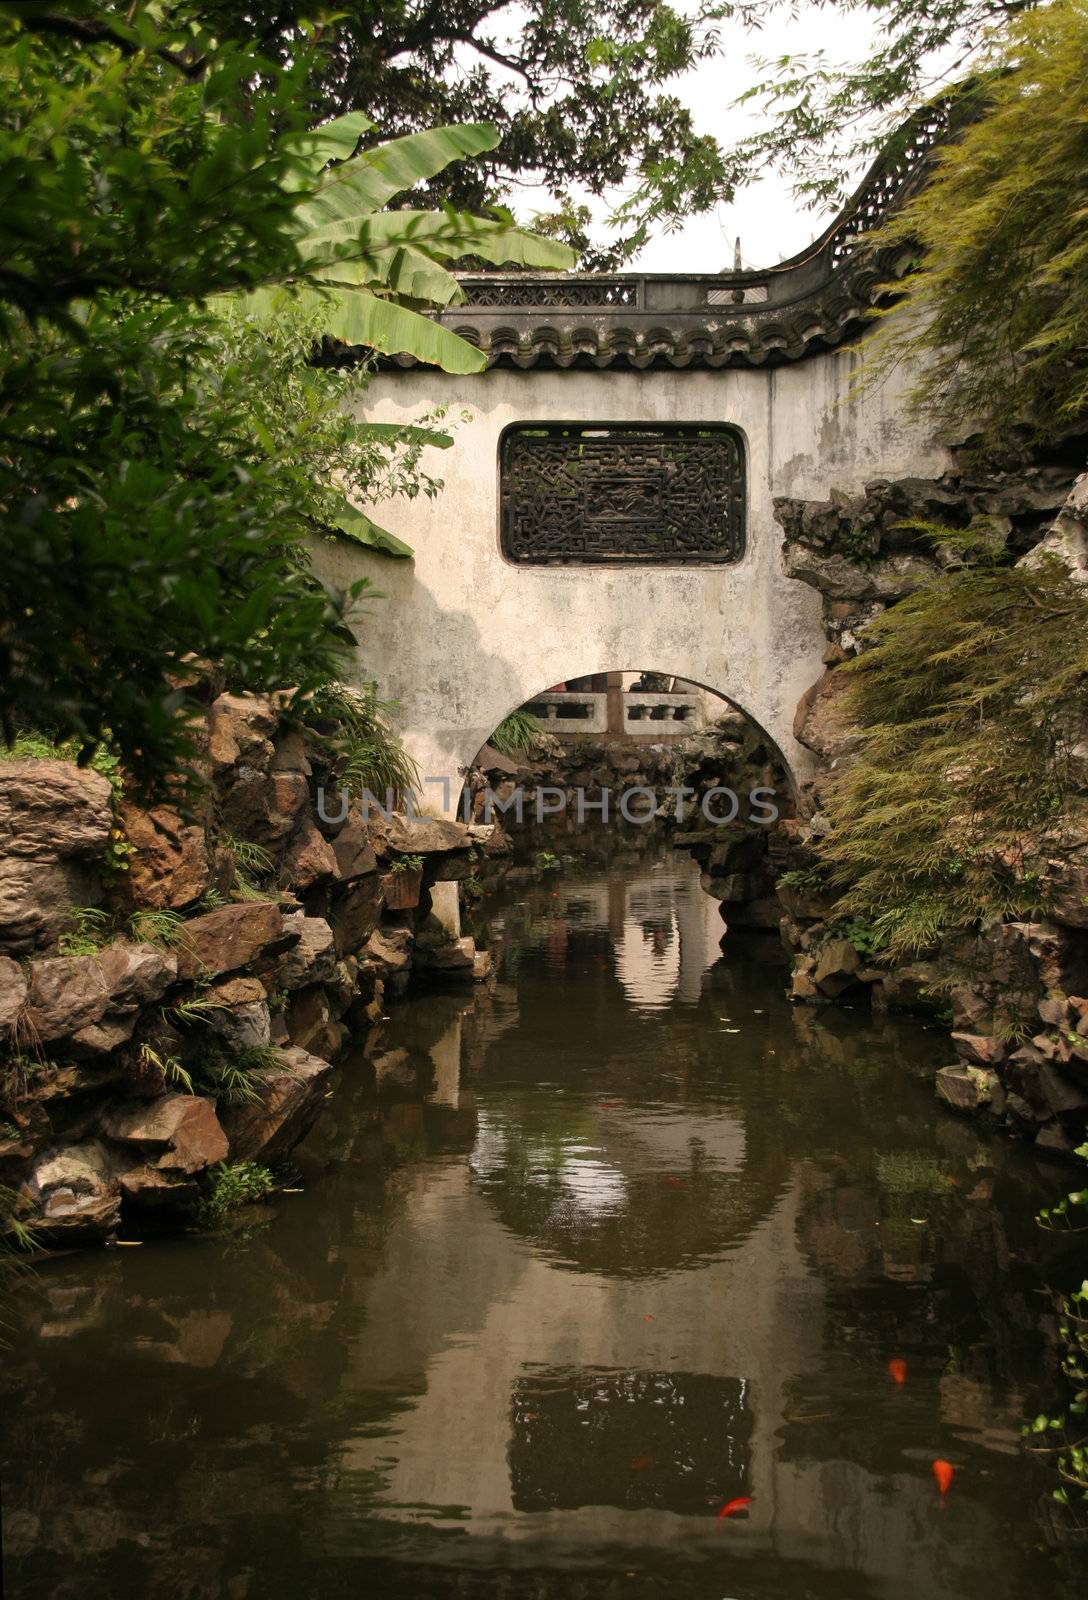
{"x": 160, "y": 462}
{"x": 1000, "y": 293}
{"x": 579, "y": 91}
{"x": 971, "y": 704}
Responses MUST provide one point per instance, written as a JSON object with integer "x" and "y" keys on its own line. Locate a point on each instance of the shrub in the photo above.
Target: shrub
{"x": 971, "y": 706}
{"x": 234, "y": 1184}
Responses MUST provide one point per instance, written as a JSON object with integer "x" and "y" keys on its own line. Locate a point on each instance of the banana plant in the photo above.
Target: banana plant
{"x": 371, "y": 271}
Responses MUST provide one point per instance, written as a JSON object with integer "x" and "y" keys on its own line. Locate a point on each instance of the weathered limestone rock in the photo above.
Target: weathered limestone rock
{"x": 353, "y": 850}
{"x": 77, "y": 1193}
{"x": 355, "y": 914}
{"x": 291, "y": 753}
{"x": 972, "y": 1011}
{"x": 455, "y": 959}
{"x": 1054, "y": 1143}
{"x": 1068, "y": 538}
{"x": 837, "y": 965}
{"x": 291, "y": 1097}
{"x": 51, "y": 810}
{"x": 12, "y": 993}
{"x": 908, "y": 988}
{"x": 967, "y": 1089}
{"x": 821, "y": 723}
{"x": 310, "y": 859}
{"x": 454, "y": 867}
{"x": 311, "y": 1025}
{"x": 239, "y": 1013}
{"x": 178, "y": 1133}
{"x": 147, "y": 1188}
{"x": 389, "y": 951}
{"x": 1061, "y": 1098}
{"x": 802, "y": 986}
{"x": 803, "y": 905}
{"x": 980, "y": 1050}
{"x": 94, "y": 1000}
{"x": 232, "y": 937}
{"x": 104, "y": 1037}
{"x": 136, "y": 974}
{"x": 313, "y": 958}
{"x": 169, "y": 868}
{"x": 36, "y": 899}
{"x": 65, "y": 993}
{"x": 420, "y": 836}
{"x": 840, "y": 578}
{"x": 240, "y": 729}
{"x": 732, "y": 889}
{"x": 265, "y": 807}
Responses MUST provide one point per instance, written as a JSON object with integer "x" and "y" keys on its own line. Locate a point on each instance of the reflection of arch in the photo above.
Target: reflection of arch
{"x": 592, "y": 1183}
{"x": 633, "y": 1217}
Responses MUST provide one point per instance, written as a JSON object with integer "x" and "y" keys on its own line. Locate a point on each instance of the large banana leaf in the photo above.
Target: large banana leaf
{"x": 408, "y": 432}
{"x": 358, "y": 317}
{"x": 360, "y": 261}
{"x": 399, "y": 271}
{"x": 447, "y": 234}
{"x": 330, "y": 141}
{"x": 371, "y": 179}
{"x": 355, "y": 524}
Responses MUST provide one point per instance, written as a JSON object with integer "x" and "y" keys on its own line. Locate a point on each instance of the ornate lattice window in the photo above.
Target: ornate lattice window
{"x": 574, "y": 492}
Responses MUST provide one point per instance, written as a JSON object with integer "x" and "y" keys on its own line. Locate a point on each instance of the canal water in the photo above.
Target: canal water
{"x": 580, "y": 1262}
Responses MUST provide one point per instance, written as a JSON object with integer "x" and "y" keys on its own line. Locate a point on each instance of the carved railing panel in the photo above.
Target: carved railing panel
{"x": 612, "y": 494}
{"x": 544, "y": 293}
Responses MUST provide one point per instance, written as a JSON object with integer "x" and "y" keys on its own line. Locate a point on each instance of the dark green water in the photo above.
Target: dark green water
{"x": 579, "y": 1261}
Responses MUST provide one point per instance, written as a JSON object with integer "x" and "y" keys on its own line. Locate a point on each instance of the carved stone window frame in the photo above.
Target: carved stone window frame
{"x": 725, "y": 545}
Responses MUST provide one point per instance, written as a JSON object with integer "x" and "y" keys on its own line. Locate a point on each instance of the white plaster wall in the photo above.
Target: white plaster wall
{"x": 462, "y": 637}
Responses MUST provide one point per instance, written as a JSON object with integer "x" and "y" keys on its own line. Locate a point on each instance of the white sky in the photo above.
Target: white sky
{"x": 771, "y": 224}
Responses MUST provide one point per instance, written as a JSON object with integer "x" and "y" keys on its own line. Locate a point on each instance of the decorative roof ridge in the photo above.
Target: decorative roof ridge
{"x": 817, "y": 299}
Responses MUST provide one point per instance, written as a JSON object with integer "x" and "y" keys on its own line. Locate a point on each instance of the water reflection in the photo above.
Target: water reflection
{"x": 574, "y": 1267}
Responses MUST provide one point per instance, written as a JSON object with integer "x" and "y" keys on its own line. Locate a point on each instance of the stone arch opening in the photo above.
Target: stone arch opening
{"x": 626, "y": 704}
{"x": 583, "y": 767}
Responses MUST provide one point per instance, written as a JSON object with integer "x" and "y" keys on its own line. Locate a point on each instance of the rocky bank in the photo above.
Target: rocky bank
{"x": 173, "y": 988}
{"x": 1013, "y": 993}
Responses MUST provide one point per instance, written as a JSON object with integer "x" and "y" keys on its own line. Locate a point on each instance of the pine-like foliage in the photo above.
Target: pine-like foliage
{"x": 972, "y": 702}
{"x": 997, "y": 309}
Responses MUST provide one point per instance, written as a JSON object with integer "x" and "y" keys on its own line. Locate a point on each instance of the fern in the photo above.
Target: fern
{"x": 157, "y": 927}
{"x": 88, "y": 932}
{"x": 996, "y": 315}
{"x": 365, "y": 750}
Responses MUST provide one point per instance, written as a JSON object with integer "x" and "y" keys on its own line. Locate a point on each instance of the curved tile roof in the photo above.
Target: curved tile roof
{"x": 812, "y": 302}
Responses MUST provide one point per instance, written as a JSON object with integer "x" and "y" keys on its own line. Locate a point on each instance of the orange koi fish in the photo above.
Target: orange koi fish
{"x": 898, "y": 1369}
{"x": 944, "y": 1472}
{"x": 731, "y": 1507}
